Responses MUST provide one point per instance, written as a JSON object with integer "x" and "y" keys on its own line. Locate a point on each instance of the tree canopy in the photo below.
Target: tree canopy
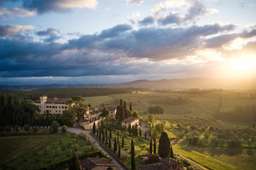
{"x": 15, "y": 110}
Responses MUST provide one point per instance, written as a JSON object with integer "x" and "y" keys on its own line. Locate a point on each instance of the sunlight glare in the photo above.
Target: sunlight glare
{"x": 243, "y": 66}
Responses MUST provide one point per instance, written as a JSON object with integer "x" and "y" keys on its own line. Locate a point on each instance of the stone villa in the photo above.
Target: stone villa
{"x": 131, "y": 121}
{"x": 52, "y": 106}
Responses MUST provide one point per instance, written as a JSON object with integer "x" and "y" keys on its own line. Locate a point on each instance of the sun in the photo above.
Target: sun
{"x": 243, "y": 66}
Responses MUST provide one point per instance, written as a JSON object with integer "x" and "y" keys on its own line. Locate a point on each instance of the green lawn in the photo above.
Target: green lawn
{"x": 42, "y": 151}
{"x": 218, "y": 162}
{"x": 204, "y": 159}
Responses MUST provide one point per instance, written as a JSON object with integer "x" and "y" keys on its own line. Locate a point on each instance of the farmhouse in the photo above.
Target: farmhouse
{"x": 52, "y": 106}
{"x": 130, "y": 122}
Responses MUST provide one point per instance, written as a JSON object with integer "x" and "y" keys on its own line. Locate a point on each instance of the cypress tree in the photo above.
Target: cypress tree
{"x": 109, "y": 143}
{"x": 154, "y": 145}
{"x": 164, "y": 146}
{"x": 106, "y": 138}
{"x": 103, "y": 136}
{"x": 99, "y": 135}
{"x": 121, "y": 102}
{"x": 110, "y": 133}
{"x": 130, "y": 107}
{"x": 119, "y": 149}
{"x": 94, "y": 128}
{"x": 133, "y": 167}
{"x": 122, "y": 141}
{"x": 150, "y": 146}
{"x": 115, "y": 145}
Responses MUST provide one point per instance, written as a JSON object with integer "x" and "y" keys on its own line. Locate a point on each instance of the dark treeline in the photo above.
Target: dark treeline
{"x": 71, "y": 92}
{"x": 16, "y": 111}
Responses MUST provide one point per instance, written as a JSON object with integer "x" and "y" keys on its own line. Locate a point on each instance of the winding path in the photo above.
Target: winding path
{"x": 95, "y": 143}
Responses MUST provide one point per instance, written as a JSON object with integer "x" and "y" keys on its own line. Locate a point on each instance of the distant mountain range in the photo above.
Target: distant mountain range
{"x": 163, "y": 84}
{"x": 167, "y": 84}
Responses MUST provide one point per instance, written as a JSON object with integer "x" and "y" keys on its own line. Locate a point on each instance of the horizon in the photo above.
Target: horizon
{"x": 124, "y": 41}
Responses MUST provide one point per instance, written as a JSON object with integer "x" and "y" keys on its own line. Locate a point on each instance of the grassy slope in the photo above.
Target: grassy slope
{"x": 205, "y": 159}
{"x": 194, "y": 105}
{"x": 198, "y": 106}
{"x": 36, "y": 152}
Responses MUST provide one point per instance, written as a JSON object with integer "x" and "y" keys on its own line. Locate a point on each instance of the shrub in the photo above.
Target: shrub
{"x": 35, "y": 130}
{"x": 54, "y": 127}
{"x": 26, "y": 127}
{"x": 63, "y": 129}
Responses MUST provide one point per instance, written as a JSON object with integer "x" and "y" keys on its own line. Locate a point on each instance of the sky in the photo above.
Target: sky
{"x": 114, "y": 41}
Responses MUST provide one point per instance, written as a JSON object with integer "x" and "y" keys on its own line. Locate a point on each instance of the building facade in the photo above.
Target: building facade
{"x": 131, "y": 122}
{"x": 52, "y": 106}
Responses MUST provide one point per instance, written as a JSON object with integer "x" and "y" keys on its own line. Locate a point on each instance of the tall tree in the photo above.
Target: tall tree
{"x": 150, "y": 146}
{"x": 94, "y": 128}
{"x": 154, "y": 146}
{"x": 119, "y": 149}
{"x": 133, "y": 166}
{"x": 15, "y": 110}
{"x": 115, "y": 145}
{"x": 122, "y": 141}
{"x": 109, "y": 142}
{"x": 130, "y": 107}
{"x": 164, "y": 146}
{"x": 110, "y": 133}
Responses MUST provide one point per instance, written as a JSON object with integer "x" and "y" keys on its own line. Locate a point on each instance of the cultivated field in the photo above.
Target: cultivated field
{"x": 42, "y": 151}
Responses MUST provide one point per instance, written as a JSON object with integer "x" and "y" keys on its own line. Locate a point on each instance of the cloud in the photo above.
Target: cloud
{"x": 114, "y": 31}
{"x": 196, "y": 9}
{"x": 135, "y": 1}
{"x": 224, "y": 39}
{"x": 42, "y": 6}
{"x": 31, "y": 7}
{"x": 10, "y": 12}
{"x": 147, "y": 21}
{"x": 161, "y": 43}
{"x": 10, "y": 30}
{"x": 49, "y": 35}
{"x": 118, "y": 50}
{"x": 171, "y": 18}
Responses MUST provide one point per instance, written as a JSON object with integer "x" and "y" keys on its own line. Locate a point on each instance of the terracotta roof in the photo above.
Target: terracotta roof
{"x": 130, "y": 120}
{"x": 55, "y": 100}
